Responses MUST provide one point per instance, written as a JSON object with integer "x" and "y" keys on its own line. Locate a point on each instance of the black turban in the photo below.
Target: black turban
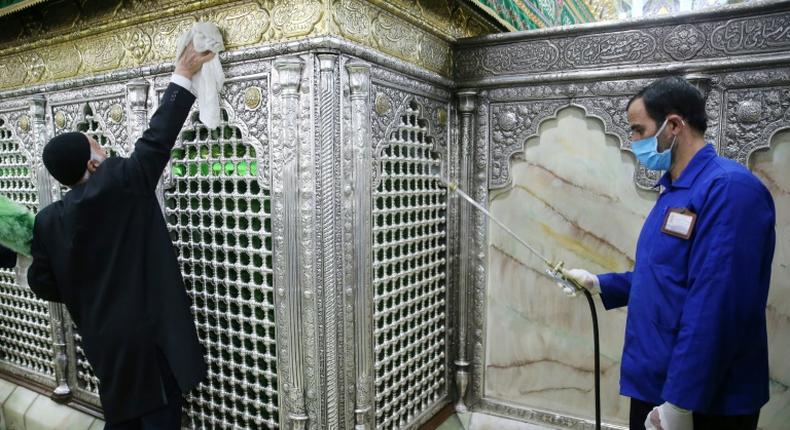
{"x": 66, "y": 157}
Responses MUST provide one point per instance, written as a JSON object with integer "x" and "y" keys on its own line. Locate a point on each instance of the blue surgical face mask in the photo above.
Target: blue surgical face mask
{"x": 646, "y": 151}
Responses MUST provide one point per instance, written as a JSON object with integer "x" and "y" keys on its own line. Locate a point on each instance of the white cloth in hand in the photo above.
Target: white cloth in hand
{"x": 586, "y": 279}
{"x": 207, "y": 82}
{"x": 670, "y": 417}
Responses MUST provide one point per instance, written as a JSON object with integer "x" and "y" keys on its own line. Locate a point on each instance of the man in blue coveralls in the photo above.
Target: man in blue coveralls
{"x": 696, "y": 349}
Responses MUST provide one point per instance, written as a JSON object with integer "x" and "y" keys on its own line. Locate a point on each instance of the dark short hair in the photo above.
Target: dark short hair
{"x": 674, "y": 95}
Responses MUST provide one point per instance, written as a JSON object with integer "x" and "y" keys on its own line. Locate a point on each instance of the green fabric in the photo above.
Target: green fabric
{"x": 5, "y": 3}
{"x": 16, "y": 226}
{"x": 532, "y": 14}
{"x": 12, "y": 6}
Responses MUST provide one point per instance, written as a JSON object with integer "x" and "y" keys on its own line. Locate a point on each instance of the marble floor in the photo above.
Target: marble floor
{"x": 476, "y": 421}
{"x": 22, "y": 409}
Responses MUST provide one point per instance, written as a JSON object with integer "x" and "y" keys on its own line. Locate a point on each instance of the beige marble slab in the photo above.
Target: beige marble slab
{"x": 773, "y": 168}
{"x": 574, "y": 199}
{"x": 479, "y": 421}
{"x": 491, "y": 422}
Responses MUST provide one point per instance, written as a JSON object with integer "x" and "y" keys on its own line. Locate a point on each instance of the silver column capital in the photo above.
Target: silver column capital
{"x": 326, "y": 62}
{"x": 290, "y": 75}
{"x": 358, "y": 79}
{"x": 467, "y": 101}
{"x": 38, "y": 106}
{"x": 137, "y": 93}
{"x": 702, "y": 82}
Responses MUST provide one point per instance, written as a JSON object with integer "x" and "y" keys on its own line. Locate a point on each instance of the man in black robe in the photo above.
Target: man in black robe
{"x": 104, "y": 250}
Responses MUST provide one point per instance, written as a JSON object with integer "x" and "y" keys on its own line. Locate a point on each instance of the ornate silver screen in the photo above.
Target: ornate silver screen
{"x": 219, "y": 217}
{"x": 409, "y": 250}
{"x": 87, "y": 380}
{"x": 91, "y": 126}
{"x": 25, "y": 334}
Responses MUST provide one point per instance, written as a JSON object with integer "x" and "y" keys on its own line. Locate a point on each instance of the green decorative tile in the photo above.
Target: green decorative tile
{"x": 532, "y": 14}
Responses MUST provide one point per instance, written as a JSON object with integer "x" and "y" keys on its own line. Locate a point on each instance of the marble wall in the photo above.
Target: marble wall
{"x": 573, "y": 196}
{"x": 772, "y": 166}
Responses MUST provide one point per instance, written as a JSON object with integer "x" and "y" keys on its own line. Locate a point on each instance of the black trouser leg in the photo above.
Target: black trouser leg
{"x": 126, "y": 425}
{"x": 640, "y": 409}
{"x": 168, "y": 417}
{"x": 726, "y": 422}
{"x": 638, "y": 414}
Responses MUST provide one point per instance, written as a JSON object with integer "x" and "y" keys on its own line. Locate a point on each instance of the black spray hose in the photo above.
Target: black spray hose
{"x": 597, "y": 349}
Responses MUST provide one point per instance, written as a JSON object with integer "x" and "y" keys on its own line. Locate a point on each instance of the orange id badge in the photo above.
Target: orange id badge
{"x": 679, "y": 222}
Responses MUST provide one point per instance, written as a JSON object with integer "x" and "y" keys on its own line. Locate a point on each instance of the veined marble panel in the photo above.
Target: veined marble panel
{"x": 771, "y": 166}
{"x": 574, "y": 198}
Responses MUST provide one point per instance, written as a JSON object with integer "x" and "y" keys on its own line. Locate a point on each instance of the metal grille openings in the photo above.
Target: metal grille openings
{"x": 91, "y": 127}
{"x": 86, "y": 378}
{"x": 219, "y": 217}
{"x": 25, "y": 333}
{"x": 409, "y": 248}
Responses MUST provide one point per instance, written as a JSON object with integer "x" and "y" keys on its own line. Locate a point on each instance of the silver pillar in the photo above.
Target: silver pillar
{"x": 466, "y": 107}
{"x": 328, "y": 275}
{"x": 357, "y": 191}
{"x": 48, "y": 191}
{"x": 287, "y": 192}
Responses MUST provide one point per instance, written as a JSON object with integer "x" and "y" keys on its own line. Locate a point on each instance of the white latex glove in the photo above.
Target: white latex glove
{"x": 669, "y": 417}
{"x": 22, "y": 264}
{"x": 586, "y": 279}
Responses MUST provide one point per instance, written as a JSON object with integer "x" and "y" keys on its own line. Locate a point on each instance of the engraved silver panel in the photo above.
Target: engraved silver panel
{"x": 721, "y": 40}
{"x": 409, "y": 274}
{"x": 219, "y": 216}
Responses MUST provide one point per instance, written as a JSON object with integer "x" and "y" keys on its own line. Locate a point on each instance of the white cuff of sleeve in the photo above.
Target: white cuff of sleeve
{"x": 182, "y": 82}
